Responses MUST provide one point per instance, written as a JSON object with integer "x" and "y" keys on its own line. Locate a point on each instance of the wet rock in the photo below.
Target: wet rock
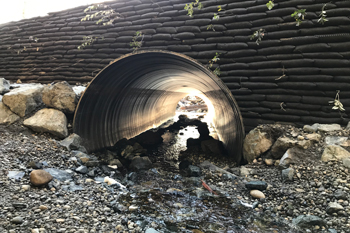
{"x": 73, "y": 142}
{"x": 24, "y": 100}
{"x": 255, "y": 143}
{"x": 333, "y": 152}
{"x": 212, "y": 146}
{"x": 336, "y": 140}
{"x": 288, "y": 174}
{"x": 82, "y": 170}
{"x": 149, "y": 138}
{"x": 193, "y": 171}
{"x": 140, "y": 163}
{"x": 7, "y": 117}
{"x": 183, "y": 165}
{"x": 151, "y": 230}
{"x": 259, "y": 185}
{"x": 40, "y": 177}
{"x": 292, "y": 156}
{"x": 340, "y": 194}
{"x": 4, "y": 86}
{"x": 48, "y": 121}
{"x": 346, "y": 162}
{"x": 305, "y": 221}
{"x": 281, "y": 145}
{"x": 60, "y": 96}
{"x": 131, "y": 151}
{"x": 17, "y": 220}
{"x": 17, "y": 175}
{"x": 59, "y": 174}
{"x": 329, "y": 127}
{"x": 257, "y": 194}
{"x": 19, "y": 205}
{"x": 193, "y": 142}
{"x": 334, "y": 207}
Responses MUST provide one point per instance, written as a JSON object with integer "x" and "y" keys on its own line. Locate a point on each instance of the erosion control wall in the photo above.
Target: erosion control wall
{"x": 290, "y": 76}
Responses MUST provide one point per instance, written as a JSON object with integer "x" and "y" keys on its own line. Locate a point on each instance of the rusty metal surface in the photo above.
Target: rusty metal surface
{"x": 141, "y": 90}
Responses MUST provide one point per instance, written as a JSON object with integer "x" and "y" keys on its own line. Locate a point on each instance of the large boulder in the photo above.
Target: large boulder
{"x": 60, "y": 96}
{"x": 333, "y": 152}
{"x": 281, "y": 145}
{"x": 7, "y": 117}
{"x": 49, "y": 121}
{"x": 4, "y": 86}
{"x": 255, "y": 143}
{"x": 24, "y": 100}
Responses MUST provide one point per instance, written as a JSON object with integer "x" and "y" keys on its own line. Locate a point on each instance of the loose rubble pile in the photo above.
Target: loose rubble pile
{"x": 294, "y": 180}
{"x": 192, "y": 104}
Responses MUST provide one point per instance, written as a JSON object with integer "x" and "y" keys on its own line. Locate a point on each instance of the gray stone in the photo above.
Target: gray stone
{"x": 4, "y": 86}
{"x": 78, "y": 90}
{"x": 246, "y": 171}
{"x": 60, "y": 96}
{"x": 305, "y": 221}
{"x": 151, "y": 230}
{"x": 255, "y": 143}
{"x": 73, "y": 142}
{"x": 287, "y": 174}
{"x": 292, "y": 156}
{"x": 334, "y": 153}
{"x": 281, "y": 145}
{"x": 72, "y": 187}
{"x": 140, "y": 163}
{"x": 7, "y": 117}
{"x": 17, "y": 220}
{"x": 259, "y": 185}
{"x": 336, "y": 140}
{"x": 208, "y": 165}
{"x": 346, "y": 162}
{"x": 193, "y": 171}
{"x": 17, "y": 175}
{"x": 329, "y": 127}
{"x": 311, "y": 128}
{"x": 82, "y": 170}
{"x": 24, "y": 100}
{"x": 48, "y": 121}
{"x": 333, "y": 207}
{"x": 331, "y": 230}
{"x": 340, "y": 194}
{"x": 59, "y": 174}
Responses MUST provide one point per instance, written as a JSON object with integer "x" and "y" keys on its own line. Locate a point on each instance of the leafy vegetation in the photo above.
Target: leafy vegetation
{"x": 89, "y": 40}
{"x": 323, "y": 15}
{"x": 104, "y": 14}
{"x": 299, "y": 15}
{"x": 189, "y": 7}
{"x": 270, "y": 5}
{"x": 336, "y": 102}
{"x": 258, "y": 35}
{"x": 137, "y": 41}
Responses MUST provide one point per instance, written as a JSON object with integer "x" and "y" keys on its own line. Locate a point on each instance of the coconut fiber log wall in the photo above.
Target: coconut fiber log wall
{"x": 289, "y": 77}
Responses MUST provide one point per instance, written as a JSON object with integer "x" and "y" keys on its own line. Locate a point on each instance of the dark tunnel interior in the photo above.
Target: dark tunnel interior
{"x": 140, "y": 91}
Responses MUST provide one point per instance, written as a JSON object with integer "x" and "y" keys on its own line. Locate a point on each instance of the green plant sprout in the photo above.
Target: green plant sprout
{"x": 336, "y": 102}
{"x": 189, "y": 7}
{"x": 89, "y": 40}
{"x": 299, "y": 15}
{"x": 270, "y": 5}
{"x": 258, "y": 35}
{"x": 135, "y": 43}
{"x": 106, "y": 16}
{"x": 322, "y": 15}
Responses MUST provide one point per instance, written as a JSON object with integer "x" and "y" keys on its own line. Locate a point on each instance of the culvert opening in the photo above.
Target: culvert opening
{"x": 140, "y": 91}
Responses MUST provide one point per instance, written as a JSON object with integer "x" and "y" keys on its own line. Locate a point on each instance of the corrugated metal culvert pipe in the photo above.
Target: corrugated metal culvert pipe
{"x": 139, "y": 91}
